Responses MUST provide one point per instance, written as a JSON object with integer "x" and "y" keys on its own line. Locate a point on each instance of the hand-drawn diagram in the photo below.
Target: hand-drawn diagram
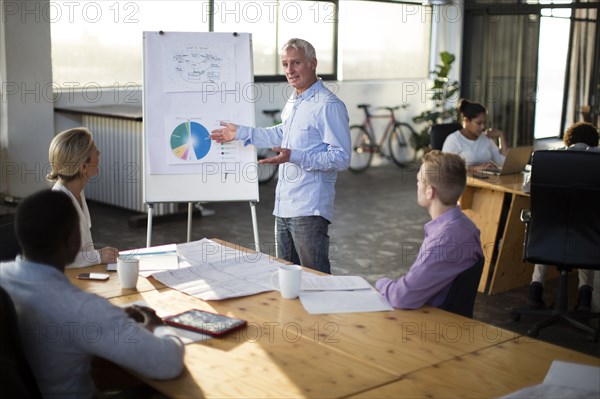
{"x": 199, "y": 68}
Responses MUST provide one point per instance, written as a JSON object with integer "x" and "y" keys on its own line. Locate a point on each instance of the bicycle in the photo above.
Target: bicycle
{"x": 364, "y": 144}
{"x": 266, "y": 172}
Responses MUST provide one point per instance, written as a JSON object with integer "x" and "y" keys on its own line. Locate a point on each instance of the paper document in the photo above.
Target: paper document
{"x": 211, "y": 271}
{"x": 566, "y": 381}
{"x": 323, "y": 302}
{"x": 313, "y": 282}
{"x": 152, "y": 259}
{"x": 574, "y": 375}
{"x": 158, "y": 250}
{"x": 156, "y": 263}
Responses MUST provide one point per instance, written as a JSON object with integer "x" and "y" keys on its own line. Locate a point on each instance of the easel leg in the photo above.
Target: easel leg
{"x": 189, "y": 224}
{"x": 149, "y": 228}
{"x": 255, "y": 226}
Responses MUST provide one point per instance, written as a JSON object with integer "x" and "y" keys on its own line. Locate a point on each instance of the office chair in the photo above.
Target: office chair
{"x": 461, "y": 297}
{"x": 9, "y": 247}
{"x": 563, "y": 226}
{"x": 440, "y": 132}
{"x": 16, "y": 378}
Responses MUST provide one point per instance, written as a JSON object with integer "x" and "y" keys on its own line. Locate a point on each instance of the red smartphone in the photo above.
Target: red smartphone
{"x": 204, "y": 322}
{"x": 93, "y": 276}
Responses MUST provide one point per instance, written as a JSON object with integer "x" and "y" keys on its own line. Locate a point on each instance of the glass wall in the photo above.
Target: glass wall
{"x": 552, "y": 65}
{"x": 99, "y": 43}
{"x": 384, "y": 40}
{"x": 272, "y": 23}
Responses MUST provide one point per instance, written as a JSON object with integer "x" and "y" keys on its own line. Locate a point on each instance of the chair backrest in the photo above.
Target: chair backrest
{"x": 16, "y": 378}
{"x": 564, "y": 228}
{"x": 440, "y": 132}
{"x": 461, "y": 297}
{"x": 9, "y": 247}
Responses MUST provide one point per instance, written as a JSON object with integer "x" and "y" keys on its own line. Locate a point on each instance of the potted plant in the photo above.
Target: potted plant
{"x": 443, "y": 111}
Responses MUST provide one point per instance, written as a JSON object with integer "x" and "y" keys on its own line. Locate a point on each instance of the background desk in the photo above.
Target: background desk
{"x": 286, "y": 352}
{"x": 483, "y": 201}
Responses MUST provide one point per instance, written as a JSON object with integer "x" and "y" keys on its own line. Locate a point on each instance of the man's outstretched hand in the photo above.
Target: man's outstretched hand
{"x": 225, "y": 134}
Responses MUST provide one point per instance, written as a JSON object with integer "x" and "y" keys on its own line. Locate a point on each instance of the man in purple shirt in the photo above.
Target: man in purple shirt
{"x": 451, "y": 243}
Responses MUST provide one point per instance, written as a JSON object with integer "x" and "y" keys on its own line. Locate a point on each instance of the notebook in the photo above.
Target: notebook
{"x": 515, "y": 162}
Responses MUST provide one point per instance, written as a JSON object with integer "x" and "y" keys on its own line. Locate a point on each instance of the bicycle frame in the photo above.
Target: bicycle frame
{"x": 368, "y": 126}
{"x": 365, "y": 142}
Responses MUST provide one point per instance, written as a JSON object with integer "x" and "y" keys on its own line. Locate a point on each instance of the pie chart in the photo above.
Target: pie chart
{"x": 190, "y": 141}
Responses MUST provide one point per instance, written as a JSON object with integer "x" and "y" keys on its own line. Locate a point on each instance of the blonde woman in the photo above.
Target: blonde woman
{"x": 74, "y": 160}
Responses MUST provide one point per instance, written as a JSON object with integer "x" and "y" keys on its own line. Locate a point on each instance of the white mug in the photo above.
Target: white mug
{"x": 290, "y": 279}
{"x": 128, "y": 269}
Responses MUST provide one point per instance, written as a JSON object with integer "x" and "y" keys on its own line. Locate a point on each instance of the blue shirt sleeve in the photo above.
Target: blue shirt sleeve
{"x": 262, "y": 137}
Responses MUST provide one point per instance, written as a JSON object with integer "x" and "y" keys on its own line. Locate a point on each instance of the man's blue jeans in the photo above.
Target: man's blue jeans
{"x": 304, "y": 241}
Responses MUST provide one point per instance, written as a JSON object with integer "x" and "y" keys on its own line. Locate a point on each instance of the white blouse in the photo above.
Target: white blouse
{"x": 87, "y": 255}
{"x": 473, "y": 151}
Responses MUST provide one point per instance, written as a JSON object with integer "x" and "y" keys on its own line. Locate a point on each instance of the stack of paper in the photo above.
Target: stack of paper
{"x": 313, "y": 282}
{"x": 566, "y": 381}
{"x": 340, "y": 294}
{"x": 211, "y": 271}
{"x": 152, "y": 259}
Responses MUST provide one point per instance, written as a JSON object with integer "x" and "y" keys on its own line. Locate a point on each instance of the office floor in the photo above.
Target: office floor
{"x": 377, "y": 231}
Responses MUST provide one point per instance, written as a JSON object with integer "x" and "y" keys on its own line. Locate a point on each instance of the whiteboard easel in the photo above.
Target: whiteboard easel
{"x": 189, "y": 224}
{"x": 192, "y": 81}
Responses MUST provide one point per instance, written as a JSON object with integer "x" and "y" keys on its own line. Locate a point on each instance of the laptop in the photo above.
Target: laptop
{"x": 515, "y": 162}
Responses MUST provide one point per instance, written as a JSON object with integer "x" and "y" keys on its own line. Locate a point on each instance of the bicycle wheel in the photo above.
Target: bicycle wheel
{"x": 399, "y": 143}
{"x": 362, "y": 149}
{"x": 265, "y": 172}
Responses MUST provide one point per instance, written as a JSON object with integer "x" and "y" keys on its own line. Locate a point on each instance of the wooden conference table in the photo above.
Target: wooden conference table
{"x": 286, "y": 352}
{"x": 494, "y": 205}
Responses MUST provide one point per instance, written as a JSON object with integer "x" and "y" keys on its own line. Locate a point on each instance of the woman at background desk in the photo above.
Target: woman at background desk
{"x": 74, "y": 160}
{"x": 474, "y": 142}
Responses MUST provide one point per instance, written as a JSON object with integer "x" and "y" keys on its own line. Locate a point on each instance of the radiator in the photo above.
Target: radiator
{"x": 119, "y": 182}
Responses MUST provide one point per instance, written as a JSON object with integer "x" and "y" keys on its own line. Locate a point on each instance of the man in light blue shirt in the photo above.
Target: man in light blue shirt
{"x": 313, "y": 142}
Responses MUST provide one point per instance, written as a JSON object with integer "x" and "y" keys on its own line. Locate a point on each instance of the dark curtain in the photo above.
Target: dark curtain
{"x": 581, "y": 94}
{"x": 500, "y": 67}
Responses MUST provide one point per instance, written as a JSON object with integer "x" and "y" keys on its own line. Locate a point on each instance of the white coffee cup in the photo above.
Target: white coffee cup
{"x": 128, "y": 269}
{"x": 289, "y": 280}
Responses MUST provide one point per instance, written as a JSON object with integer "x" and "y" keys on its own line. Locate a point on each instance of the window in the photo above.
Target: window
{"x": 272, "y": 23}
{"x": 99, "y": 43}
{"x": 552, "y": 64}
{"x": 384, "y": 40}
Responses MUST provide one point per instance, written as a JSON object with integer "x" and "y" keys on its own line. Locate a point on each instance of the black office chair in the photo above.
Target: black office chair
{"x": 9, "y": 247}
{"x": 440, "y": 132}
{"x": 16, "y": 378}
{"x": 461, "y": 297}
{"x": 563, "y": 226}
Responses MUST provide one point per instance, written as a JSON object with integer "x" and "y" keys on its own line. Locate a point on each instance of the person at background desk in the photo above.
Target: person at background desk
{"x": 580, "y": 136}
{"x": 74, "y": 159}
{"x": 474, "y": 142}
{"x": 452, "y": 243}
{"x": 63, "y": 327}
{"x": 313, "y": 142}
